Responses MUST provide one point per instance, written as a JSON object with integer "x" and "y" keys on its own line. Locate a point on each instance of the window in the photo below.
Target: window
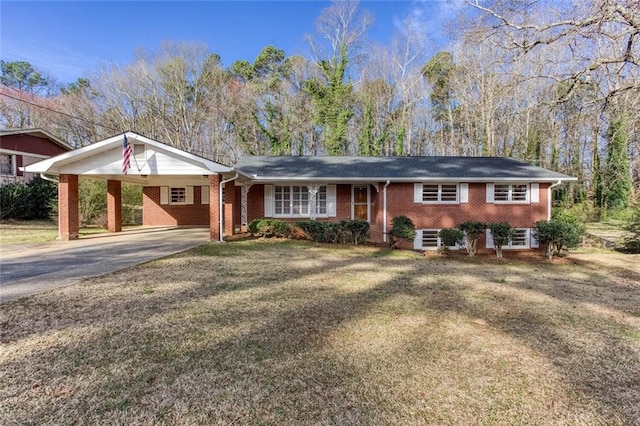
{"x": 6, "y": 164}
{"x": 440, "y": 193}
{"x": 509, "y": 193}
{"x": 428, "y": 239}
{"x": 283, "y": 200}
{"x": 520, "y": 238}
{"x": 300, "y": 201}
{"x": 321, "y": 201}
{"x": 178, "y": 195}
{"x": 295, "y": 201}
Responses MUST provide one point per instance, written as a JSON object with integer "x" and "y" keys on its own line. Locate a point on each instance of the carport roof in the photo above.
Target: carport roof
{"x": 65, "y": 163}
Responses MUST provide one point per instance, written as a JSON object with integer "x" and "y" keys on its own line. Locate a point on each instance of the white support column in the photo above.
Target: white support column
{"x": 313, "y": 192}
{"x": 244, "y": 191}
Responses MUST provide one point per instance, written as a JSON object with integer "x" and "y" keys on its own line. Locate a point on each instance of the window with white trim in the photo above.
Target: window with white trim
{"x": 520, "y": 238}
{"x": 178, "y": 195}
{"x": 321, "y": 201}
{"x": 439, "y": 193}
{"x": 6, "y": 164}
{"x": 510, "y": 193}
{"x": 429, "y": 239}
{"x": 295, "y": 200}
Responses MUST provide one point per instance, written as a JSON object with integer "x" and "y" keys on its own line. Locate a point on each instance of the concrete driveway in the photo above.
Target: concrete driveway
{"x": 33, "y": 268}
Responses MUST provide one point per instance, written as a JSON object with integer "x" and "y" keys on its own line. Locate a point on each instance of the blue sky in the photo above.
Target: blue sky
{"x": 69, "y": 39}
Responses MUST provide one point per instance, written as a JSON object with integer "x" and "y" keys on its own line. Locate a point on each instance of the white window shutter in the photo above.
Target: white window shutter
{"x": 268, "y": 201}
{"x": 535, "y": 193}
{"x": 533, "y": 242}
{"x": 417, "y": 192}
{"x": 331, "y": 201}
{"x": 489, "y": 239}
{"x": 189, "y": 194}
{"x": 204, "y": 194}
{"x": 464, "y": 192}
{"x": 417, "y": 241}
{"x": 164, "y": 195}
{"x": 490, "y": 193}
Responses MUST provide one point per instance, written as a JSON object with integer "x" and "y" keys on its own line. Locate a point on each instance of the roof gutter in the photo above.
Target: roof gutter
{"x": 220, "y": 211}
{"x": 384, "y": 211}
{"x": 549, "y": 199}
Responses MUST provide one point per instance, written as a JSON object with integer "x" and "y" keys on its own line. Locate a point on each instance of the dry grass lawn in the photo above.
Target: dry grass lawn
{"x": 278, "y": 332}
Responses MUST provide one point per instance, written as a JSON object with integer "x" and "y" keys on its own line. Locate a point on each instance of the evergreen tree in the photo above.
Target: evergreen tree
{"x": 617, "y": 181}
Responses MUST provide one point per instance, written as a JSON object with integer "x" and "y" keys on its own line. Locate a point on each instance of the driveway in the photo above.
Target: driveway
{"x": 32, "y": 268}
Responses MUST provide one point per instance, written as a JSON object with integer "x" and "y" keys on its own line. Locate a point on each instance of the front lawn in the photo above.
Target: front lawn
{"x": 38, "y": 231}
{"x": 281, "y": 332}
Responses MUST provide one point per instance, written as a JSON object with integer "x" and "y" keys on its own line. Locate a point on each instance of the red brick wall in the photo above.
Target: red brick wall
{"x": 68, "y": 218}
{"x": 424, "y": 216}
{"x": 156, "y": 214}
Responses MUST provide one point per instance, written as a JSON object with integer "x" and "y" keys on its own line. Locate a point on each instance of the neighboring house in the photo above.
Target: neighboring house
{"x": 180, "y": 188}
{"x": 21, "y": 147}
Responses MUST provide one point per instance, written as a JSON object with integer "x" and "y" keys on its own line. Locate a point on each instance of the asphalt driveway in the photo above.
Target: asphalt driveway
{"x": 33, "y": 268}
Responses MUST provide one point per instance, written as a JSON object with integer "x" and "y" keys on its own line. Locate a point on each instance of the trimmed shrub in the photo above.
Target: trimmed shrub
{"x": 450, "y": 237}
{"x": 502, "y": 233}
{"x": 402, "y": 228}
{"x": 358, "y": 230}
{"x": 472, "y": 232}
{"x": 346, "y": 231}
{"x": 558, "y": 235}
{"x": 270, "y": 228}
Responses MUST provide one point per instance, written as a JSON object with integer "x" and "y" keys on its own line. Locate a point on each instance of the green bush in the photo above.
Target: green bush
{"x": 270, "y": 228}
{"x": 450, "y": 237}
{"x": 558, "y": 235}
{"x": 346, "y": 231}
{"x": 472, "y": 231}
{"x": 631, "y": 244}
{"x": 502, "y": 233}
{"x": 35, "y": 200}
{"x": 402, "y": 228}
{"x": 358, "y": 230}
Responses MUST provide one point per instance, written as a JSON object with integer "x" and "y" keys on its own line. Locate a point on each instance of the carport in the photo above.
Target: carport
{"x": 179, "y": 188}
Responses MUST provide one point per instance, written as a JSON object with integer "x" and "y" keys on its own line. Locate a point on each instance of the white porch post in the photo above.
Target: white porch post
{"x": 313, "y": 192}
{"x": 244, "y": 216}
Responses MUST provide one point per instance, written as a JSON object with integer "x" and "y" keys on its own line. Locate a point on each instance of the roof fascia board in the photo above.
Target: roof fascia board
{"x": 266, "y": 179}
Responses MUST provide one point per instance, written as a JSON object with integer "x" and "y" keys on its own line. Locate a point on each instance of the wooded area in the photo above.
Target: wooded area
{"x": 552, "y": 83}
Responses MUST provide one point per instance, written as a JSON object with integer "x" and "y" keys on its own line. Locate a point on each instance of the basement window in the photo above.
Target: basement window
{"x": 6, "y": 164}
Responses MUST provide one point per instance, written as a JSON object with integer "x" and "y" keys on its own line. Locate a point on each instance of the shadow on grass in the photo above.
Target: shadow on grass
{"x": 159, "y": 348}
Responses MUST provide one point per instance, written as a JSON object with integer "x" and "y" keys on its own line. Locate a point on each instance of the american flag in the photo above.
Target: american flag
{"x": 126, "y": 155}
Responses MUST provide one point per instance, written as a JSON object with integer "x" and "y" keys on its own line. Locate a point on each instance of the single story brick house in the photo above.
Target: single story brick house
{"x": 21, "y": 147}
{"x": 180, "y": 188}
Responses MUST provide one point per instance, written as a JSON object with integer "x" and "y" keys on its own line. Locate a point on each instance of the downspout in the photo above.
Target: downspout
{"x": 549, "y": 199}
{"x": 56, "y": 182}
{"x": 384, "y": 211}
{"x": 221, "y": 212}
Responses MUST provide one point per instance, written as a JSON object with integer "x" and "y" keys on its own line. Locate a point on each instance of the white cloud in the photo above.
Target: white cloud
{"x": 59, "y": 61}
{"x": 430, "y": 18}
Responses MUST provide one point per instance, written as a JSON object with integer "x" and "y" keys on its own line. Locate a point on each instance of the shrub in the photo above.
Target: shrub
{"x": 35, "y": 200}
{"x": 450, "y": 237}
{"x": 352, "y": 231}
{"x": 558, "y": 235}
{"x": 358, "y": 230}
{"x": 501, "y": 233}
{"x": 472, "y": 232}
{"x": 402, "y": 228}
{"x": 631, "y": 244}
{"x": 270, "y": 228}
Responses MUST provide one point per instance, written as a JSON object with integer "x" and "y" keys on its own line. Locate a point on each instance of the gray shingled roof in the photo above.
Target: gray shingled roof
{"x": 393, "y": 168}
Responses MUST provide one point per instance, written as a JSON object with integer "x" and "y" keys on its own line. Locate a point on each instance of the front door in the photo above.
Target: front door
{"x": 360, "y": 202}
